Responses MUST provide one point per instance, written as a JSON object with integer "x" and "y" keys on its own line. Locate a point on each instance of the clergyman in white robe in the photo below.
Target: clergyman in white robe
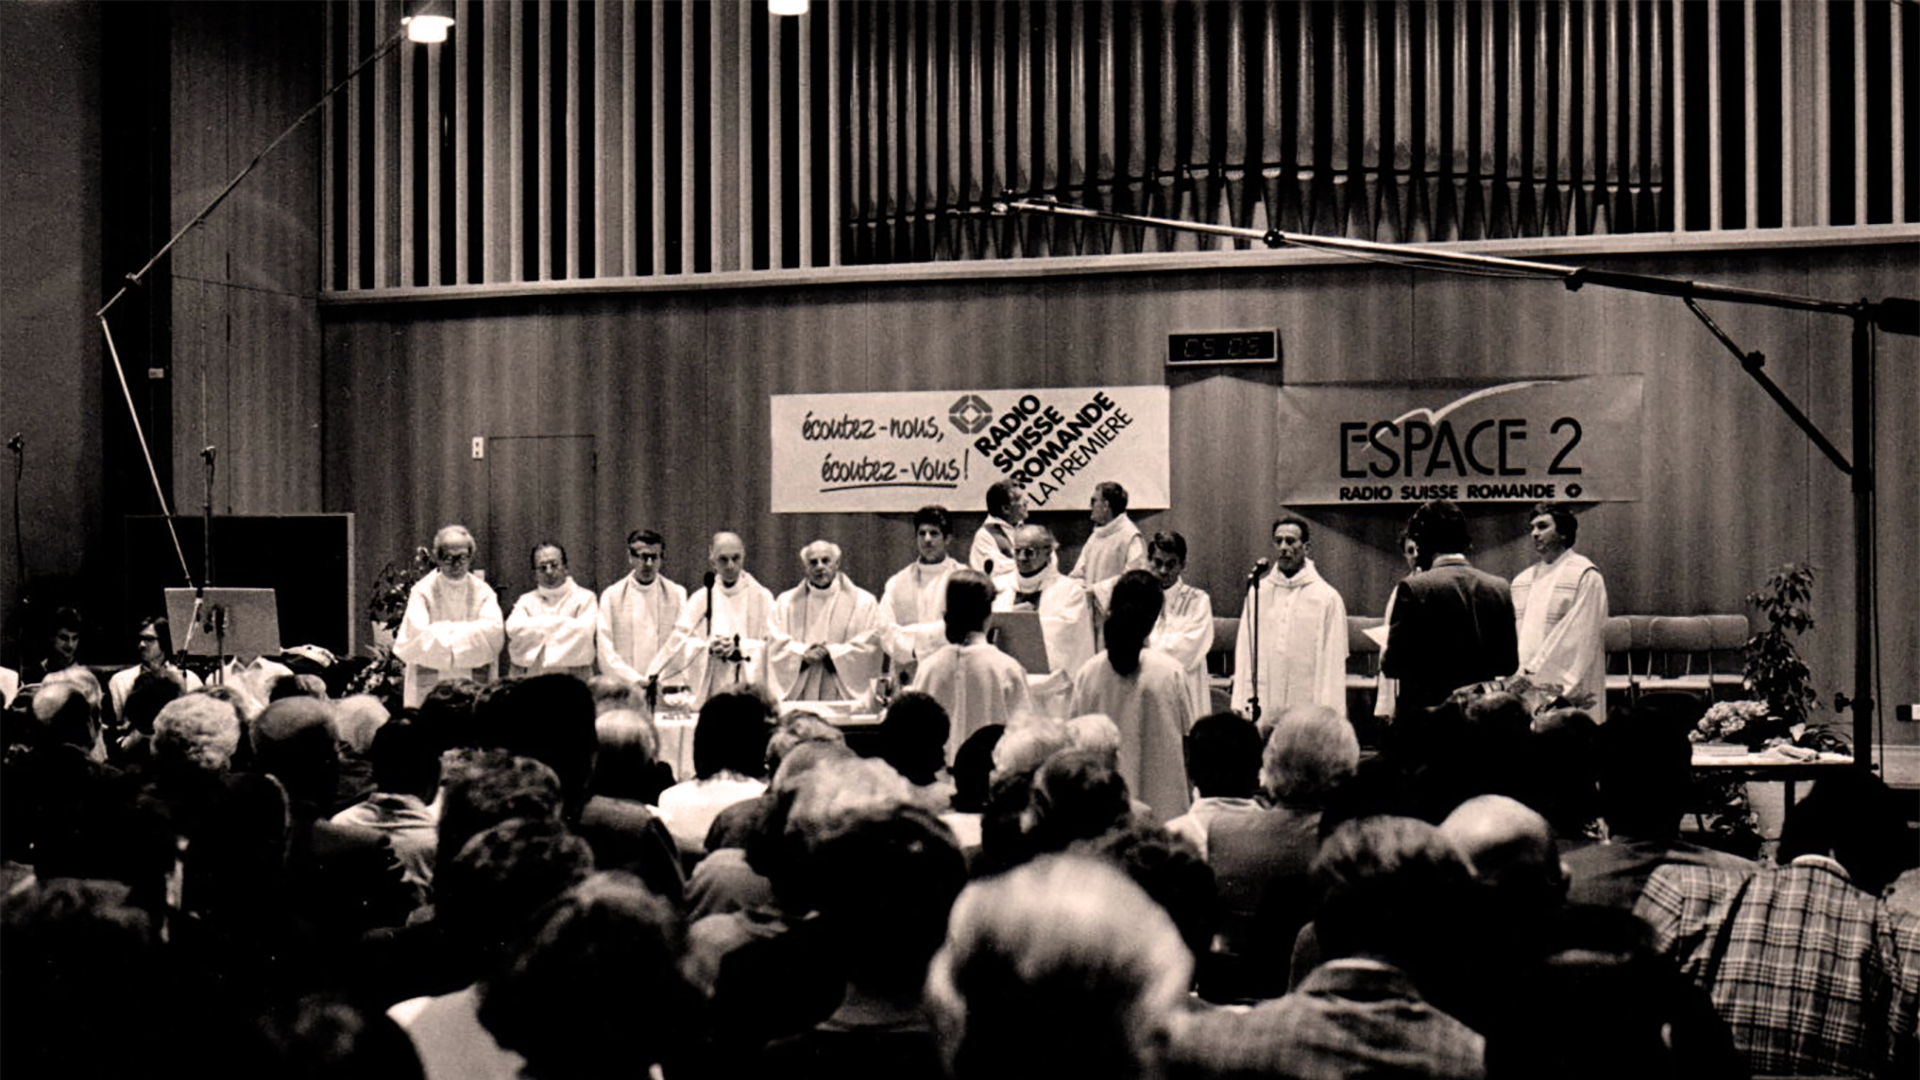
{"x": 1303, "y": 643}
{"x": 452, "y": 630}
{"x": 744, "y": 609}
{"x": 913, "y": 608}
{"x": 1066, "y": 624}
{"x": 977, "y": 684}
{"x": 844, "y": 619}
{"x": 1112, "y": 550}
{"x": 635, "y": 621}
{"x": 551, "y": 630}
{"x": 1185, "y": 632}
{"x": 1560, "y": 608}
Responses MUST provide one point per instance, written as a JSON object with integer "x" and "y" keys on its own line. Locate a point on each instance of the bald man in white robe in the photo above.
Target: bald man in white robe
{"x": 1066, "y": 618}
{"x": 453, "y": 628}
{"x": 711, "y": 654}
{"x": 824, "y": 643}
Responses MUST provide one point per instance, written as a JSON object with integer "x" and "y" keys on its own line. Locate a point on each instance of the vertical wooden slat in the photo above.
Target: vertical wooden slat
{"x": 330, "y": 153}
{"x": 748, "y": 222}
{"x": 1047, "y": 120}
{"x": 835, "y": 135}
{"x": 1074, "y": 175}
{"x": 1657, "y": 157}
{"x": 1610, "y": 148}
{"x": 465, "y": 42}
{"x": 382, "y": 159}
{"x": 408, "y": 129}
{"x": 1020, "y": 91}
{"x": 689, "y": 227}
{"x": 1750, "y": 72}
{"x": 572, "y": 154}
{"x": 657, "y": 134}
{"x": 1513, "y": 171}
{"x": 804, "y": 149}
{"x": 515, "y": 152}
{"x": 1566, "y": 218}
{"x": 1896, "y": 41}
{"x": 1861, "y": 135}
{"x": 543, "y": 154}
{"x": 906, "y": 125}
{"x": 1136, "y": 99}
{"x": 777, "y": 150}
{"x": 1821, "y": 102}
{"x": 1635, "y": 121}
{"x": 1362, "y": 220}
{"x": 1589, "y": 114}
{"x": 1487, "y": 153}
{"x": 1791, "y": 114}
{"x": 1339, "y": 121}
{"x": 430, "y": 134}
{"x": 1542, "y": 107}
{"x": 1716, "y": 116}
{"x": 1233, "y": 156}
{"x": 1441, "y": 225}
{"x": 357, "y": 104}
{"x": 869, "y": 184}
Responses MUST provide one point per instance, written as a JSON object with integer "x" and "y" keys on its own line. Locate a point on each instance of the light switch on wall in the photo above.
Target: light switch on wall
{"x": 479, "y": 447}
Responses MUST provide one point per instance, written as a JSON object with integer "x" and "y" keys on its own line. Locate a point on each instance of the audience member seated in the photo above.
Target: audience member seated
{"x": 550, "y": 718}
{"x": 1519, "y": 891}
{"x": 1061, "y": 967}
{"x": 1395, "y": 894}
{"x": 1559, "y": 776}
{"x": 885, "y": 885}
{"x": 771, "y": 971}
{"x": 1810, "y": 970}
{"x": 1643, "y": 761}
{"x": 913, "y": 739}
{"x": 595, "y": 992}
{"x": 343, "y": 879}
{"x": 149, "y": 693}
{"x": 1076, "y": 795}
{"x": 611, "y": 692}
{"x": 1018, "y": 754}
{"x": 1171, "y": 871}
{"x": 733, "y": 826}
{"x": 627, "y": 766}
{"x": 729, "y": 747}
{"x": 738, "y": 877}
{"x": 406, "y": 776}
{"x": 1603, "y": 1004}
{"x": 489, "y": 893}
{"x": 1223, "y": 761}
{"x": 325, "y": 1036}
{"x": 428, "y": 956}
{"x": 1263, "y": 859}
{"x": 972, "y": 782}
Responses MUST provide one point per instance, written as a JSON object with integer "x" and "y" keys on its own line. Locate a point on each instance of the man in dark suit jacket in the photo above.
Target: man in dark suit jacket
{"x": 1452, "y": 625}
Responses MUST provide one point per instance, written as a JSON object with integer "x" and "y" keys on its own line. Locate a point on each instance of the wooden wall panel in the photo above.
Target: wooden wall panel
{"x": 246, "y": 341}
{"x": 674, "y": 389}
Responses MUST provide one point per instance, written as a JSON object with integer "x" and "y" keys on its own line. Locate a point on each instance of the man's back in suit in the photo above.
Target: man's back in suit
{"x": 1452, "y": 626}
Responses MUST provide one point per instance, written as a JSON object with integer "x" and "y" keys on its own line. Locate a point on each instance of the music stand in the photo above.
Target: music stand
{"x": 1018, "y": 634}
{"x": 242, "y": 623}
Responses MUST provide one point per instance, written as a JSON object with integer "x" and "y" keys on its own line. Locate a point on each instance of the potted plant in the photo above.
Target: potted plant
{"x": 391, "y": 589}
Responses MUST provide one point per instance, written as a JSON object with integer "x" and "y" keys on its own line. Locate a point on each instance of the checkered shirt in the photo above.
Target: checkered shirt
{"x": 1811, "y": 974}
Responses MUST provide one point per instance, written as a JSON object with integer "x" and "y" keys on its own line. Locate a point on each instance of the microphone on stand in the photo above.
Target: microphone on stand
{"x": 17, "y": 444}
{"x": 1260, "y": 570}
{"x": 706, "y": 582}
{"x": 989, "y": 567}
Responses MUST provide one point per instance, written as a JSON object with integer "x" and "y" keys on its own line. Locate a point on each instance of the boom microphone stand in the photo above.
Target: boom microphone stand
{"x": 1894, "y": 315}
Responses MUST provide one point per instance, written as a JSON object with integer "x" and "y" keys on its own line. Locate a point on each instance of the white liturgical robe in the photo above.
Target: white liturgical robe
{"x": 1151, "y": 710}
{"x": 1112, "y": 550}
{"x": 913, "y": 610}
{"x": 744, "y": 609}
{"x": 635, "y": 621}
{"x": 977, "y": 684}
{"x": 1185, "y": 632}
{"x": 992, "y": 544}
{"x": 551, "y": 630}
{"x": 452, "y": 630}
{"x": 1066, "y": 624}
{"x": 1560, "y": 609}
{"x": 843, "y": 617}
{"x": 1303, "y": 644}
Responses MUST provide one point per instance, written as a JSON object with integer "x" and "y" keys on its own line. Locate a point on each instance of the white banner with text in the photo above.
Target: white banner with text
{"x": 897, "y": 452}
{"x": 1561, "y": 439}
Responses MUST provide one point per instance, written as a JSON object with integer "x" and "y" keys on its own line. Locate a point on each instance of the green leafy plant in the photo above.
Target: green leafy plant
{"x": 1774, "y": 671}
{"x": 388, "y": 604}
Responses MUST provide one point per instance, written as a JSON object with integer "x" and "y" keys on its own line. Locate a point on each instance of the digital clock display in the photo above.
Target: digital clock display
{"x": 1224, "y": 347}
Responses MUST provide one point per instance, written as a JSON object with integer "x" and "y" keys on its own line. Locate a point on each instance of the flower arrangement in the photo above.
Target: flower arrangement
{"x": 1739, "y": 721}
